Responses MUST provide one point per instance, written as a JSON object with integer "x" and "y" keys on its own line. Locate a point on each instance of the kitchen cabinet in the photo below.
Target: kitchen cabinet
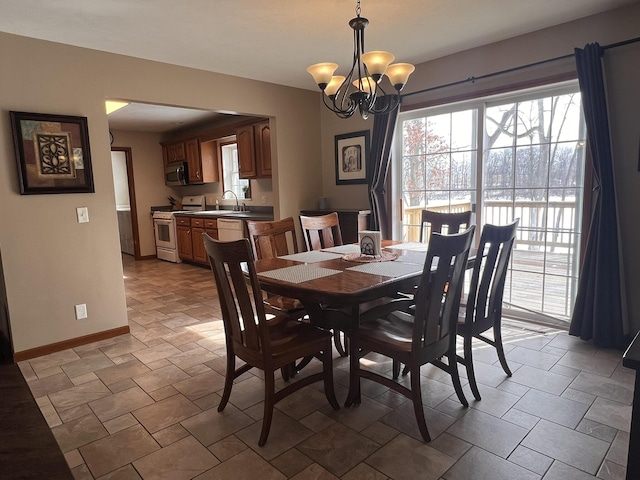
{"x": 202, "y": 161}
{"x": 173, "y": 152}
{"x": 351, "y": 221}
{"x": 254, "y": 150}
{"x": 189, "y": 237}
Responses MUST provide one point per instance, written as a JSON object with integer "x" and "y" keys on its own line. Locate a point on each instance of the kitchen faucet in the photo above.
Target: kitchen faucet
{"x": 237, "y": 207}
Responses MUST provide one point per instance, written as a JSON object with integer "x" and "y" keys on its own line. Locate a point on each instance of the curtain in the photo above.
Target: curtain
{"x": 380, "y": 155}
{"x": 600, "y": 311}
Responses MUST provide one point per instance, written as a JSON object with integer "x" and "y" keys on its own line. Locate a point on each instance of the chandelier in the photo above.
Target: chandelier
{"x": 361, "y": 88}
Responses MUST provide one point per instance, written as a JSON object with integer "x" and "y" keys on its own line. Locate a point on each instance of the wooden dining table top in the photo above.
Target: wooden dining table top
{"x": 346, "y": 284}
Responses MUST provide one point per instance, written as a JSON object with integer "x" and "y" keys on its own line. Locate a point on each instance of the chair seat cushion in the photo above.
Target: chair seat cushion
{"x": 395, "y": 331}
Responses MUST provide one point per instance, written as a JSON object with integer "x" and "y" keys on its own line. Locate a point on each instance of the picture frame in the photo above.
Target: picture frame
{"x": 352, "y": 155}
{"x": 52, "y": 153}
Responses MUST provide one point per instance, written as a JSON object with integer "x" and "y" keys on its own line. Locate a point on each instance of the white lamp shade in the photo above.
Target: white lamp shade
{"x": 322, "y": 72}
{"x": 334, "y": 85}
{"x": 368, "y": 84}
{"x": 377, "y": 61}
{"x": 398, "y": 74}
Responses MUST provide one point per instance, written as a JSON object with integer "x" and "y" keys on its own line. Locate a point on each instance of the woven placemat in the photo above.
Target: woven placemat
{"x": 312, "y": 256}
{"x": 299, "y": 273}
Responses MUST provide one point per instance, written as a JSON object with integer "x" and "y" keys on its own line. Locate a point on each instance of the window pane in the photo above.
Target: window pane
{"x": 500, "y": 126}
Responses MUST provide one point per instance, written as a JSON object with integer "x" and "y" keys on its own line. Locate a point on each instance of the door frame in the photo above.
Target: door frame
{"x": 132, "y": 199}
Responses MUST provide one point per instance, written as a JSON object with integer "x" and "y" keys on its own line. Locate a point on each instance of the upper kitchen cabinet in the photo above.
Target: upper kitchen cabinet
{"x": 202, "y": 161}
{"x": 173, "y": 152}
{"x": 254, "y": 150}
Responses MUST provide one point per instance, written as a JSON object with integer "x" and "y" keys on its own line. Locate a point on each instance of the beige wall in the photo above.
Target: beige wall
{"x": 51, "y": 262}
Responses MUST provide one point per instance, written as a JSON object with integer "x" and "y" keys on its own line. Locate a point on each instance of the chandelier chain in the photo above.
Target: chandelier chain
{"x": 358, "y": 8}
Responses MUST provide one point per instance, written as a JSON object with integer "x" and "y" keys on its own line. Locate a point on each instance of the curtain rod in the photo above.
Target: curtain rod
{"x": 514, "y": 69}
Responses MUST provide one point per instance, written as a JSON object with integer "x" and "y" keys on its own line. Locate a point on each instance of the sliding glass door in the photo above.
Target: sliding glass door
{"x": 517, "y": 156}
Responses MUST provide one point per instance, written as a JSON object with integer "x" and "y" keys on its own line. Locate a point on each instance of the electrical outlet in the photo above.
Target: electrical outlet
{"x": 83, "y": 214}
{"x": 264, "y": 199}
{"x": 81, "y": 311}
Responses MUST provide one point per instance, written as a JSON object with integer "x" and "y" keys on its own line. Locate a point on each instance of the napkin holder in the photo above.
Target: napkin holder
{"x": 370, "y": 243}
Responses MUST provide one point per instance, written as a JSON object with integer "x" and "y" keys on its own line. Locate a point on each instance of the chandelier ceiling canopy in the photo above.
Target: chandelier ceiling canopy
{"x": 361, "y": 89}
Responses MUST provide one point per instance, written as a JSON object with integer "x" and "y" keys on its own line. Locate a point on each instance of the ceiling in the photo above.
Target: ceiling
{"x": 275, "y": 40}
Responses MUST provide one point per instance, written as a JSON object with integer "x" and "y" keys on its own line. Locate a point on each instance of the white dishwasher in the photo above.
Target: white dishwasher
{"x": 230, "y": 229}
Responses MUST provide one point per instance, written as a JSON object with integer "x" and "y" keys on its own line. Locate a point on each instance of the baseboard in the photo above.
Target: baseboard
{"x": 71, "y": 343}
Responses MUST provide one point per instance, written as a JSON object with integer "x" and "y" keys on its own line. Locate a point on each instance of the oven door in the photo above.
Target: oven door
{"x": 165, "y": 232}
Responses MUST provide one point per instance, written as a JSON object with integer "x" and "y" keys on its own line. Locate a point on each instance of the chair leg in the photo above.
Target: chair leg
{"x": 269, "y": 401}
{"x": 396, "y": 369}
{"x": 228, "y": 379}
{"x": 416, "y": 397}
{"x": 455, "y": 378}
{"x": 497, "y": 337}
{"x": 286, "y": 372}
{"x": 327, "y": 365}
{"x": 468, "y": 363}
{"x": 342, "y": 349}
{"x": 353, "y": 397}
{"x": 405, "y": 370}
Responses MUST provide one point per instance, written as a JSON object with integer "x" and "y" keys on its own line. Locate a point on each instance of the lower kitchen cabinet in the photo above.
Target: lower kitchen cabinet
{"x": 189, "y": 237}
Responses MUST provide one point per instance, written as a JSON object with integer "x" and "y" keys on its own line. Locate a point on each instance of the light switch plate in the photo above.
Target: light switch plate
{"x": 83, "y": 214}
{"x": 81, "y": 311}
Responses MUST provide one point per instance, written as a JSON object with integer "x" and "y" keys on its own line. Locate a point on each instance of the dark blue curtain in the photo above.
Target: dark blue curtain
{"x": 380, "y": 156}
{"x": 600, "y": 309}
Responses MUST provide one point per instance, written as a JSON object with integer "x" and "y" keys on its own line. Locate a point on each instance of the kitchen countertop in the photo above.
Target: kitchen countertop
{"x": 260, "y": 216}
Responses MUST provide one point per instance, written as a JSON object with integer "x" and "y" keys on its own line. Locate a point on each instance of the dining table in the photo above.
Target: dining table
{"x": 341, "y": 279}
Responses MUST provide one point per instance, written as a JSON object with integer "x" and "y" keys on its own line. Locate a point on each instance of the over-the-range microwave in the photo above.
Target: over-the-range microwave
{"x": 176, "y": 174}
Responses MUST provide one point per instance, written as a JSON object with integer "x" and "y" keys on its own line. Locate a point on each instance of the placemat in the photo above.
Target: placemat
{"x": 350, "y": 248}
{"x": 311, "y": 257}
{"x": 388, "y": 269}
{"x": 299, "y": 273}
{"x": 410, "y": 246}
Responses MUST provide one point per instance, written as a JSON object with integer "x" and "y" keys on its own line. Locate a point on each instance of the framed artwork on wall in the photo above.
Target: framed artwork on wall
{"x": 52, "y": 153}
{"x": 352, "y": 153}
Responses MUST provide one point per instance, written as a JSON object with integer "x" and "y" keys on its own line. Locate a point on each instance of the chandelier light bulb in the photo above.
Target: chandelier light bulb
{"x": 333, "y": 85}
{"x": 398, "y": 74}
{"x": 322, "y": 73}
{"x": 377, "y": 62}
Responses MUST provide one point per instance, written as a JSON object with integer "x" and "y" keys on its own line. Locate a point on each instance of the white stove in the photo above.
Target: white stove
{"x": 164, "y": 226}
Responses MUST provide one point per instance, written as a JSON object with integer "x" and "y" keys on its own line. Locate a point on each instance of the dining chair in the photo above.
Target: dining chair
{"x": 271, "y": 239}
{"x": 436, "y": 222}
{"x": 482, "y": 307}
{"x": 322, "y": 231}
{"x": 417, "y": 330}
{"x": 266, "y": 345}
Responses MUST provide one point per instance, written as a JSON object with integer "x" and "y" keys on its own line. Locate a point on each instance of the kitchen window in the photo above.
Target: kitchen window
{"x": 231, "y": 173}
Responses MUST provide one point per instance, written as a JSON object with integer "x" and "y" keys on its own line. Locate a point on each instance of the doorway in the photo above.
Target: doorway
{"x": 125, "y": 195}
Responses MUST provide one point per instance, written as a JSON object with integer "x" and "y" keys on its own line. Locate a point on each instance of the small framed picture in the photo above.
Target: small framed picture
{"x": 352, "y": 153}
{"x": 52, "y": 153}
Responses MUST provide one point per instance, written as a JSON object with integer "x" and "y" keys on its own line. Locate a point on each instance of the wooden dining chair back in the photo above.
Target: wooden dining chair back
{"x": 442, "y": 222}
{"x": 271, "y": 239}
{"x": 482, "y": 310}
{"x": 321, "y": 231}
{"x": 419, "y": 330}
{"x": 267, "y": 345}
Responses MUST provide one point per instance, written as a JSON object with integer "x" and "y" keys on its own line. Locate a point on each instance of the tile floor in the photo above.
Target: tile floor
{"x": 143, "y": 405}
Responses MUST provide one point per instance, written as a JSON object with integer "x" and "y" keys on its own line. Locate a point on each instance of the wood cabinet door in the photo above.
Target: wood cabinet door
{"x": 199, "y": 253}
{"x": 246, "y": 152}
{"x": 193, "y": 160}
{"x": 262, "y": 133}
{"x": 185, "y": 245}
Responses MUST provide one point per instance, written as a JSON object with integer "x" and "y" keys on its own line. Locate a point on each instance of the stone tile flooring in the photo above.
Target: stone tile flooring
{"x": 143, "y": 405}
